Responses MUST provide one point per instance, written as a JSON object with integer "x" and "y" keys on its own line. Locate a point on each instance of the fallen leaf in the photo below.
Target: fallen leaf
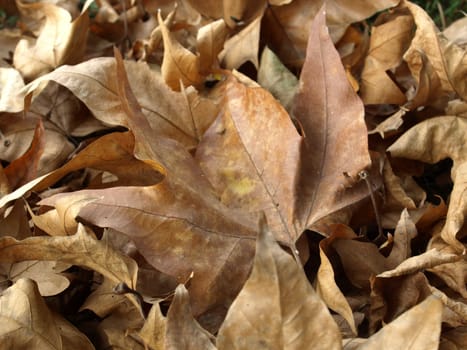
{"x": 28, "y": 323}
{"x": 273, "y": 305}
{"x": 335, "y": 135}
{"x": 248, "y": 174}
{"x": 182, "y": 330}
{"x": 60, "y": 41}
{"x": 242, "y": 47}
{"x": 417, "y": 328}
{"x": 80, "y": 249}
{"x": 46, "y": 274}
{"x": 154, "y": 329}
{"x": 445, "y": 137}
{"x": 180, "y": 66}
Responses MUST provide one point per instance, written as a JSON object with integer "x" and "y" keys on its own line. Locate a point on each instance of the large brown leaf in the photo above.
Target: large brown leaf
{"x": 178, "y": 225}
{"x": 251, "y": 156}
{"x": 277, "y": 308}
{"x": 335, "y": 136}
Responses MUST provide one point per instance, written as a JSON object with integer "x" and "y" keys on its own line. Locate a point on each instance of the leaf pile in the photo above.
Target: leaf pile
{"x": 232, "y": 175}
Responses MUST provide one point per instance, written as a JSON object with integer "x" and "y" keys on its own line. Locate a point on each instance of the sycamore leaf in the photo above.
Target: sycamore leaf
{"x": 242, "y": 47}
{"x": 209, "y": 42}
{"x": 233, "y": 11}
{"x": 330, "y": 293}
{"x": 417, "y": 328}
{"x": 60, "y": 41}
{"x": 180, "y": 66}
{"x": 335, "y": 136}
{"x": 27, "y": 323}
{"x": 274, "y": 304}
{"x": 182, "y": 330}
{"x": 95, "y": 83}
{"x": 388, "y": 43}
{"x": 154, "y": 329}
{"x": 250, "y": 155}
{"x": 178, "y": 225}
{"x": 80, "y": 249}
{"x": 45, "y": 273}
{"x": 431, "y": 141}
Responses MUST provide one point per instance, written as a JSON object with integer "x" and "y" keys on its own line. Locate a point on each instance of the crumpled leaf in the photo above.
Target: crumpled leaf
{"x": 335, "y": 136}
{"x": 182, "y": 330}
{"x": 417, "y": 328}
{"x": 274, "y": 304}
{"x": 45, "y": 273}
{"x": 80, "y": 249}
{"x": 27, "y": 323}
{"x": 60, "y": 40}
{"x": 431, "y": 141}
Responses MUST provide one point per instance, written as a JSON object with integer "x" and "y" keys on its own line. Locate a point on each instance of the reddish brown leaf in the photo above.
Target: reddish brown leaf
{"x": 335, "y": 136}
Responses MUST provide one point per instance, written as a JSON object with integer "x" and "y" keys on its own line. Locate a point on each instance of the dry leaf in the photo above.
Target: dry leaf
{"x": 417, "y": 328}
{"x": 250, "y": 155}
{"x": 27, "y": 322}
{"x": 335, "y": 135}
{"x": 180, "y": 67}
{"x": 182, "y": 330}
{"x": 60, "y": 41}
{"x": 275, "y": 303}
{"x": 11, "y": 83}
{"x": 445, "y": 137}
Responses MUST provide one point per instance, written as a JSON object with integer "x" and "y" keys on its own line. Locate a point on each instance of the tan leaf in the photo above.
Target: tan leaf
{"x": 427, "y": 260}
{"x": 80, "y": 249}
{"x": 95, "y": 83}
{"x": 426, "y": 40}
{"x": 445, "y": 137}
{"x": 45, "y": 273}
{"x": 242, "y": 47}
{"x": 11, "y": 83}
{"x": 274, "y": 304}
{"x": 417, "y": 328}
{"x": 154, "y": 329}
{"x": 180, "y": 66}
{"x": 452, "y": 269}
{"x": 326, "y": 115}
{"x": 209, "y": 42}
{"x": 341, "y": 13}
{"x": 60, "y": 41}
{"x": 456, "y": 32}
{"x": 328, "y": 290}
{"x": 388, "y": 42}
{"x": 250, "y": 155}
{"x": 182, "y": 330}
{"x": 28, "y": 323}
